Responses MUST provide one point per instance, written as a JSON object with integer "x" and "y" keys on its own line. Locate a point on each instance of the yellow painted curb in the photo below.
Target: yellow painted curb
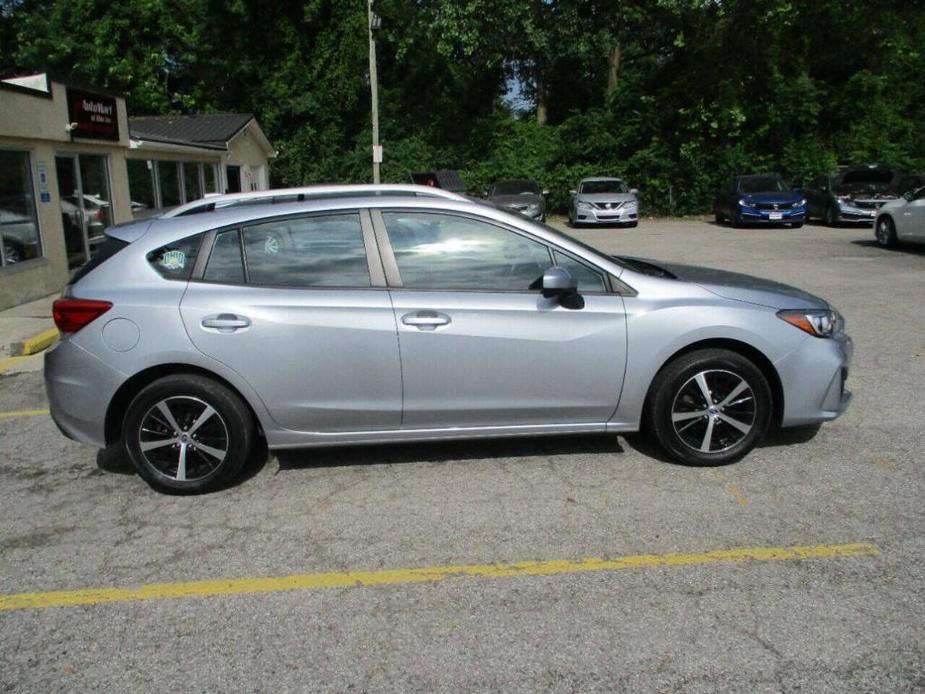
{"x": 35, "y": 344}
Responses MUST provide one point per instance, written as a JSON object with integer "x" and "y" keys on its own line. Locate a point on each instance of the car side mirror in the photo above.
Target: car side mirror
{"x": 558, "y": 283}
{"x": 573, "y": 192}
{"x": 545, "y": 193}
{"x": 634, "y": 191}
{"x": 908, "y": 195}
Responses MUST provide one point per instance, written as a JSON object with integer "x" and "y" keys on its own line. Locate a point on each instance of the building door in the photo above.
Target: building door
{"x": 86, "y": 203}
{"x": 233, "y": 177}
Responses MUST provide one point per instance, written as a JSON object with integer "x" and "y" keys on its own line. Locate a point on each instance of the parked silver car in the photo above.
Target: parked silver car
{"x": 603, "y": 200}
{"x": 380, "y": 319}
{"x": 902, "y": 220}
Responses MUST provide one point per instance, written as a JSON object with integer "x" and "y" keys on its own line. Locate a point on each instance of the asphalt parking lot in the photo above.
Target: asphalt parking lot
{"x": 574, "y": 564}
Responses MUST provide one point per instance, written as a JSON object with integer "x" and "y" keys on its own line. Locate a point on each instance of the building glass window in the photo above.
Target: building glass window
{"x": 191, "y": 183}
{"x": 19, "y": 227}
{"x": 141, "y": 187}
{"x": 168, "y": 174}
{"x": 208, "y": 171}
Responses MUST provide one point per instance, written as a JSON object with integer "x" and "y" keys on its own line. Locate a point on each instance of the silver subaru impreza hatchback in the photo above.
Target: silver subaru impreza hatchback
{"x": 375, "y": 319}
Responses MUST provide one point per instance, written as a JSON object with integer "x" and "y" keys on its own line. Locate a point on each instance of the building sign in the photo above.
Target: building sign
{"x": 92, "y": 116}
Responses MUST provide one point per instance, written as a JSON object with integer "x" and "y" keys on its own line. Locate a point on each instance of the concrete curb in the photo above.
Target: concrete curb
{"x": 35, "y": 344}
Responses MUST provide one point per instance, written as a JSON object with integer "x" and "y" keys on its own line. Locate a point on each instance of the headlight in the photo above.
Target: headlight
{"x": 802, "y": 202}
{"x": 844, "y": 200}
{"x": 584, "y": 205}
{"x": 816, "y": 322}
{"x": 532, "y": 209}
{"x": 630, "y": 204}
{"x": 744, "y": 203}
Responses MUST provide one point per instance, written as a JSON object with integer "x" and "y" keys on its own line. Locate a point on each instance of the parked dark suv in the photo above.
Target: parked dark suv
{"x": 854, "y": 194}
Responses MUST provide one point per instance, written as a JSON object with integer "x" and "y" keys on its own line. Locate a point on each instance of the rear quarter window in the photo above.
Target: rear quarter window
{"x": 175, "y": 261}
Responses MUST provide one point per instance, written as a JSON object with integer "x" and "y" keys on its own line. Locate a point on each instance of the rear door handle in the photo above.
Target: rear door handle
{"x": 425, "y": 320}
{"x": 225, "y": 322}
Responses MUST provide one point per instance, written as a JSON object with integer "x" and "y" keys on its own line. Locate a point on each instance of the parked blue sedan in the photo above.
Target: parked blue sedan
{"x": 759, "y": 199}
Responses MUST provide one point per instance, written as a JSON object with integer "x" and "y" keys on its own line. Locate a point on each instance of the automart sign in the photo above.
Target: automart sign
{"x": 95, "y": 115}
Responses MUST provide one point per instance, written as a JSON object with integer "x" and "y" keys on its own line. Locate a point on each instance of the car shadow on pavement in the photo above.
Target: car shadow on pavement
{"x": 447, "y": 451}
{"x": 646, "y": 445}
{"x": 909, "y": 248}
{"x": 113, "y": 459}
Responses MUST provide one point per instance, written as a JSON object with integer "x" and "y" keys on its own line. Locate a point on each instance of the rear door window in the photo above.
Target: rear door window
{"x": 317, "y": 251}
{"x": 225, "y": 262}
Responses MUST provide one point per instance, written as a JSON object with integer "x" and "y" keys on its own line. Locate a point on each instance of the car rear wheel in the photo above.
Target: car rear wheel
{"x": 709, "y": 407}
{"x": 831, "y": 218}
{"x": 187, "y": 434}
{"x": 886, "y": 232}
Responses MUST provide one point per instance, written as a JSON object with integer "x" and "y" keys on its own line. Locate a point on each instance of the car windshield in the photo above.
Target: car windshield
{"x": 603, "y": 187}
{"x": 515, "y": 188}
{"x": 762, "y": 184}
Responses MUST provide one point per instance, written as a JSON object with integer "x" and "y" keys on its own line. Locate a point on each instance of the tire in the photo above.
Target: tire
{"x": 633, "y": 225}
{"x": 717, "y": 217}
{"x": 228, "y": 431}
{"x": 702, "y": 435}
{"x": 885, "y": 232}
{"x": 736, "y": 221}
{"x": 830, "y": 217}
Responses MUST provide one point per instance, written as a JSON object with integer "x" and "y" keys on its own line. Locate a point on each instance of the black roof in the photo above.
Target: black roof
{"x": 211, "y": 130}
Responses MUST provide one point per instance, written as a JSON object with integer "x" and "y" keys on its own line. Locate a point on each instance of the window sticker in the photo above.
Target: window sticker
{"x": 174, "y": 260}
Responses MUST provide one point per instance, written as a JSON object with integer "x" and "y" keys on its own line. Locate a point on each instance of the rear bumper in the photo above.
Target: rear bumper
{"x": 80, "y": 387}
{"x": 814, "y": 379}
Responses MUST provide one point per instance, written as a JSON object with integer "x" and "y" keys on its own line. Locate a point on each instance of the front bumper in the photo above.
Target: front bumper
{"x": 754, "y": 215}
{"x": 80, "y": 387}
{"x": 619, "y": 216}
{"x": 813, "y": 378}
{"x": 847, "y": 214}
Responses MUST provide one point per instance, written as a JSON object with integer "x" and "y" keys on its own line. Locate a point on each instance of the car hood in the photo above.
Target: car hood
{"x": 606, "y": 197}
{"x": 520, "y": 199}
{"x": 781, "y": 197}
{"x": 740, "y": 287}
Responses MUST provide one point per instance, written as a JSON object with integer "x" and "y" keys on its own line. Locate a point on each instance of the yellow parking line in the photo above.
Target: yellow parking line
{"x": 23, "y": 413}
{"x": 318, "y": 581}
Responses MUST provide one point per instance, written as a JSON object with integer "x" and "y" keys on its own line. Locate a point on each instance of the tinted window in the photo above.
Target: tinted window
{"x": 442, "y": 251}
{"x": 324, "y": 251}
{"x": 588, "y": 280}
{"x": 225, "y": 264}
{"x": 175, "y": 261}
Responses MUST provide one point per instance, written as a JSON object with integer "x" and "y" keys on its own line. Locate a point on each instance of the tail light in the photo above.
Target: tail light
{"x": 98, "y": 215}
{"x": 73, "y": 314}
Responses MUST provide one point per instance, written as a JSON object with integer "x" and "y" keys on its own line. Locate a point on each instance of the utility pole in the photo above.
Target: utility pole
{"x": 374, "y": 23}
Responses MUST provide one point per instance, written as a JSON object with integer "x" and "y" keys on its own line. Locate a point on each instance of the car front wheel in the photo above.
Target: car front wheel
{"x": 187, "y": 434}
{"x": 709, "y": 407}
{"x": 886, "y": 232}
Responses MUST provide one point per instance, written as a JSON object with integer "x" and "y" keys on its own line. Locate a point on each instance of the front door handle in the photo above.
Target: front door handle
{"x": 425, "y": 320}
{"x": 225, "y": 322}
